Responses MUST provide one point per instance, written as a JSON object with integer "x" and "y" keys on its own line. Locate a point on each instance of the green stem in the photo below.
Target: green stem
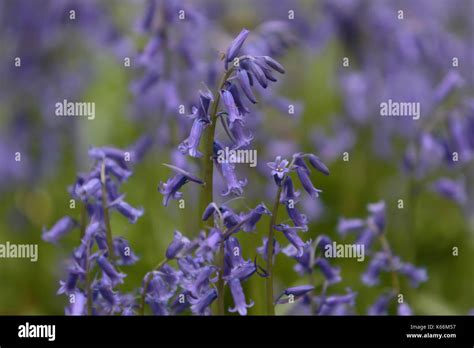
{"x": 208, "y": 140}
{"x": 271, "y": 237}
{"x": 147, "y": 283}
{"x": 207, "y": 193}
{"x": 388, "y": 251}
{"x": 108, "y": 230}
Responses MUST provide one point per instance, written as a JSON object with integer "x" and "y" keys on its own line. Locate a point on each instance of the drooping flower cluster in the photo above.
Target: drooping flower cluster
{"x": 302, "y": 252}
{"x": 98, "y": 194}
{"x": 367, "y": 231}
{"x": 235, "y": 91}
{"x": 192, "y": 285}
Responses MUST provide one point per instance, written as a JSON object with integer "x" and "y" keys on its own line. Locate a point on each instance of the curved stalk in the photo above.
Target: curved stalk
{"x": 271, "y": 238}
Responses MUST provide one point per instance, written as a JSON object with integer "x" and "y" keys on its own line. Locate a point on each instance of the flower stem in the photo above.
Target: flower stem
{"x": 388, "y": 251}
{"x": 271, "y": 237}
{"x": 208, "y": 140}
{"x": 147, "y": 283}
{"x": 108, "y": 230}
{"x": 208, "y": 194}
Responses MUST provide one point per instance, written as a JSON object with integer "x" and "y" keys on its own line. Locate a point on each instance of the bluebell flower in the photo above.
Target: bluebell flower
{"x": 109, "y": 270}
{"x": 300, "y": 220}
{"x": 170, "y": 275}
{"x": 235, "y": 265}
{"x": 239, "y": 297}
{"x": 377, "y": 217}
{"x": 415, "y": 275}
{"x": 227, "y": 170}
{"x": 242, "y": 109}
{"x": 279, "y": 169}
{"x": 160, "y": 290}
{"x": 74, "y": 272}
{"x": 201, "y": 111}
{"x": 191, "y": 144}
{"x": 321, "y": 242}
{"x": 252, "y": 67}
{"x": 105, "y": 289}
{"x": 332, "y": 274}
{"x": 157, "y": 307}
{"x": 88, "y": 188}
{"x": 318, "y": 164}
{"x": 131, "y": 213}
{"x": 305, "y": 261}
{"x": 78, "y": 307}
{"x": 242, "y": 136}
{"x": 209, "y": 211}
{"x": 348, "y": 299}
{"x": 366, "y": 238}
{"x": 209, "y": 245}
{"x": 200, "y": 280}
{"x": 170, "y": 189}
{"x": 337, "y": 304}
{"x": 235, "y": 46}
{"x": 189, "y": 265}
{"x": 177, "y": 245}
{"x": 60, "y": 229}
{"x": 272, "y": 63}
{"x": 306, "y": 182}
{"x": 460, "y": 139}
{"x": 234, "y": 185}
{"x": 291, "y": 233}
{"x": 454, "y": 190}
{"x": 111, "y": 167}
{"x": 380, "y": 307}
{"x": 262, "y": 250}
{"x": 200, "y": 305}
{"x": 404, "y": 309}
{"x": 378, "y": 263}
{"x": 253, "y": 216}
{"x": 178, "y": 306}
{"x": 296, "y": 292}
{"x": 244, "y": 82}
{"x": 125, "y": 254}
{"x": 231, "y": 218}
{"x": 232, "y": 112}
{"x": 298, "y": 161}
{"x": 100, "y": 153}
{"x": 267, "y": 71}
{"x": 288, "y": 193}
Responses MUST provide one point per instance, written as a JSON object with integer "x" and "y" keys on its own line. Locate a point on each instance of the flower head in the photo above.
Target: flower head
{"x": 61, "y": 228}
